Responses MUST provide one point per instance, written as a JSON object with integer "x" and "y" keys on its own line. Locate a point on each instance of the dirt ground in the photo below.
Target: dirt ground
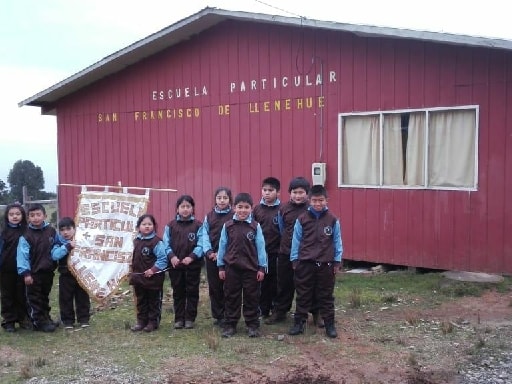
{"x": 407, "y": 341}
{"x": 394, "y": 344}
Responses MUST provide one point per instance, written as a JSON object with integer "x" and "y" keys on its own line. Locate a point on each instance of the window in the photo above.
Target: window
{"x": 431, "y": 148}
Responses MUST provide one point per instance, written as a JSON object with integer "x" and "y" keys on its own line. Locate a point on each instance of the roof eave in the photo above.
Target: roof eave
{"x": 208, "y": 17}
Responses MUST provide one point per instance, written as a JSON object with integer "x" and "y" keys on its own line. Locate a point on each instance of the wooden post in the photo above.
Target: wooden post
{"x": 25, "y": 196}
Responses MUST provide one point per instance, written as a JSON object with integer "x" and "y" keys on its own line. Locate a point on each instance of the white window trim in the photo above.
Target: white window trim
{"x": 381, "y": 171}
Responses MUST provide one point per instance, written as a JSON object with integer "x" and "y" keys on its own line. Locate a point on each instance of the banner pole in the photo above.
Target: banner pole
{"x": 118, "y": 187}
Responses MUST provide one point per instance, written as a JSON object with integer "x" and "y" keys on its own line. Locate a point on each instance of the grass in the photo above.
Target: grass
{"x": 109, "y": 347}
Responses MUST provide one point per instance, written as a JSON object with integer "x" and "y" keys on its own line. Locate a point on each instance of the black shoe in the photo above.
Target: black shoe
{"x": 9, "y": 328}
{"x": 275, "y": 317}
{"x": 253, "y": 332}
{"x": 330, "y": 330}
{"x": 179, "y": 325}
{"x": 297, "y": 328}
{"x": 55, "y": 323}
{"x": 46, "y": 327}
{"x": 150, "y": 327}
{"x": 137, "y": 327}
{"x": 228, "y": 331}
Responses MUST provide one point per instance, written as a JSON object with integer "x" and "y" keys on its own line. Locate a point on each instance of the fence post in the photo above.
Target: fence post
{"x": 25, "y": 196}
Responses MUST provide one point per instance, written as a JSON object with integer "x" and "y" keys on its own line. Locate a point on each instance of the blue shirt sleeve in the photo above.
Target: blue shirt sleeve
{"x": 59, "y": 252}
{"x": 23, "y": 257}
{"x": 260, "y": 248}
{"x": 223, "y": 245}
{"x": 59, "y": 249}
{"x": 296, "y": 240}
{"x": 198, "y": 250}
{"x": 338, "y": 244}
{"x": 205, "y": 228}
{"x": 167, "y": 240}
{"x": 161, "y": 256}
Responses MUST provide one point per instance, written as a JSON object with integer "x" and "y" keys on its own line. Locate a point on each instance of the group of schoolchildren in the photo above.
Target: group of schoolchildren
{"x": 257, "y": 259}
{"x": 30, "y": 252}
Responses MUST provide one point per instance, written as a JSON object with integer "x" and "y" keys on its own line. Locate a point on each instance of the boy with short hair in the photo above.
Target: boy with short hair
{"x": 35, "y": 264}
{"x": 266, "y": 213}
{"x": 242, "y": 263}
{"x": 71, "y": 294}
{"x": 316, "y": 254}
{"x": 288, "y": 213}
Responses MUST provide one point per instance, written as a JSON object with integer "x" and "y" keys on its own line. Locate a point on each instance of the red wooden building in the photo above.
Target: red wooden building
{"x": 414, "y": 128}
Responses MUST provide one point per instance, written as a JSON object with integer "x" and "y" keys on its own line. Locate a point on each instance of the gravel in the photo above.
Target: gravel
{"x": 489, "y": 370}
{"x": 493, "y": 362}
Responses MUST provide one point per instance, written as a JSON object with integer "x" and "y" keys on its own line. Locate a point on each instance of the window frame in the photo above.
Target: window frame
{"x": 425, "y": 186}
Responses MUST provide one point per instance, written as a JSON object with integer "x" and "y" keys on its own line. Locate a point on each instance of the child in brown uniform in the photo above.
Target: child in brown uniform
{"x": 288, "y": 213}
{"x": 316, "y": 257}
{"x": 12, "y": 287}
{"x": 266, "y": 213}
{"x": 182, "y": 239}
{"x": 242, "y": 263}
{"x": 71, "y": 294}
{"x": 35, "y": 264}
{"x": 212, "y": 225}
{"x": 147, "y": 277}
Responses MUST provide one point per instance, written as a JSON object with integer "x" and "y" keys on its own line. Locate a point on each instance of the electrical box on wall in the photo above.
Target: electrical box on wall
{"x": 318, "y": 173}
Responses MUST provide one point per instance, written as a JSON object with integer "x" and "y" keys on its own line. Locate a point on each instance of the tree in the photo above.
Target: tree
{"x": 4, "y": 193}
{"x": 25, "y": 173}
{"x": 43, "y": 195}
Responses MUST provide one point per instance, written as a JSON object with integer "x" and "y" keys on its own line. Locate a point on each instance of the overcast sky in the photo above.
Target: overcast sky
{"x": 44, "y": 42}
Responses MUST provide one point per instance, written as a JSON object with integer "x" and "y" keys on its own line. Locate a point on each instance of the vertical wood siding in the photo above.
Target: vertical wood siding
{"x": 423, "y": 228}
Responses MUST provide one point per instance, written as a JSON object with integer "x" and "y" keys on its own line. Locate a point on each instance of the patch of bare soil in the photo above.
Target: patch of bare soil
{"x": 401, "y": 343}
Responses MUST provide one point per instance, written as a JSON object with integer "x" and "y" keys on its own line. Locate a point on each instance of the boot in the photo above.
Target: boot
{"x": 330, "y": 330}
{"x": 137, "y": 327}
{"x": 254, "y": 332}
{"x": 228, "y": 331}
{"x": 297, "y": 328}
{"x": 150, "y": 327}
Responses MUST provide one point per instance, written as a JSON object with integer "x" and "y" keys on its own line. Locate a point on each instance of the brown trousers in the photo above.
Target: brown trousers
{"x": 185, "y": 291}
{"x": 215, "y": 289}
{"x": 241, "y": 290}
{"x": 314, "y": 285}
{"x": 72, "y": 296}
{"x": 269, "y": 286}
{"x": 149, "y": 305}
{"x": 38, "y": 298}
{"x": 285, "y": 284}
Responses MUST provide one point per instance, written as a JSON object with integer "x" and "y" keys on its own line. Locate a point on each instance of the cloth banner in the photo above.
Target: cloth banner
{"x": 105, "y": 229}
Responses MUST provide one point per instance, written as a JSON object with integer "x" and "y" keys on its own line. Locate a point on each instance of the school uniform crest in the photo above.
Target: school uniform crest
{"x": 328, "y": 231}
{"x": 250, "y": 235}
{"x": 275, "y": 220}
{"x": 51, "y": 240}
{"x": 191, "y": 236}
{"x": 146, "y": 251}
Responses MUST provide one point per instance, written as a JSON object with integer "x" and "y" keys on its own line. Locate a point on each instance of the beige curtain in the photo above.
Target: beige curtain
{"x": 393, "y": 152}
{"x": 415, "y": 151}
{"x": 451, "y": 153}
{"x": 361, "y": 151}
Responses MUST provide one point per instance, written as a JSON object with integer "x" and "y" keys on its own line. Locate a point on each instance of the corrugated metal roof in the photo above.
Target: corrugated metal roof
{"x": 208, "y": 17}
